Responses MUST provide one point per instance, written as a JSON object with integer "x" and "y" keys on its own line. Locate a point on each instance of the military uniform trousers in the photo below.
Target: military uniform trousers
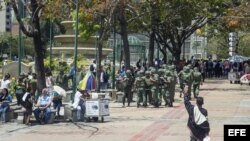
{"x": 196, "y": 89}
{"x": 156, "y": 96}
{"x": 162, "y": 92}
{"x": 172, "y": 90}
{"x": 127, "y": 94}
{"x": 181, "y": 84}
{"x": 140, "y": 95}
{"x": 166, "y": 96}
{"x": 147, "y": 97}
{"x": 189, "y": 85}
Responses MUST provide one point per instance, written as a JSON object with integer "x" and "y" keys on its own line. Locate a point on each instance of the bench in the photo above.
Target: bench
{"x": 20, "y": 114}
{"x": 111, "y": 93}
{"x": 10, "y": 113}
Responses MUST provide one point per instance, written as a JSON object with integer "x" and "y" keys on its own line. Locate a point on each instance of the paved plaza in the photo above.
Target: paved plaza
{"x": 226, "y": 104}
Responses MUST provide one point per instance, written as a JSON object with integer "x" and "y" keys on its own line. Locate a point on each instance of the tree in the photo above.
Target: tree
{"x": 96, "y": 17}
{"x": 178, "y": 20}
{"x": 32, "y": 28}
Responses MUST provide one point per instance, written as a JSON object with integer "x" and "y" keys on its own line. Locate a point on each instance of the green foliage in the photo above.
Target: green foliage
{"x": 218, "y": 45}
{"x": 9, "y": 44}
{"x": 82, "y": 61}
{"x": 87, "y": 25}
{"x": 57, "y": 28}
{"x": 54, "y": 64}
{"x": 243, "y": 47}
{"x": 13, "y": 84}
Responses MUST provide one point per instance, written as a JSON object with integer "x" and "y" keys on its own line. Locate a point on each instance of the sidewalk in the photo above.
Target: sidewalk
{"x": 226, "y": 104}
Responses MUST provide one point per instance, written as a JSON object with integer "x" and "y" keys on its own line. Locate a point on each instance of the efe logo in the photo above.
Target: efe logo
{"x": 236, "y": 132}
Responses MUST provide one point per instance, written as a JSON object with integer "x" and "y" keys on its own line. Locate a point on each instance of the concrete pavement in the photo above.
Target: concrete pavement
{"x": 226, "y": 104}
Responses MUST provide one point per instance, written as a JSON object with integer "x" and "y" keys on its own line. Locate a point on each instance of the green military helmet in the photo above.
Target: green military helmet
{"x": 151, "y": 68}
{"x": 164, "y": 66}
{"x": 186, "y": 69}
{"x": 153, "y": 71}
{"x": 168, "y": 73}
{"x": 172, "y": 67}
{"x": 196, "y": 69}
{"x": 161, "y": 71}
{"x": 147, "y": 73}
{"x": 189, "y": 66}
{"x": 140, "y": 73}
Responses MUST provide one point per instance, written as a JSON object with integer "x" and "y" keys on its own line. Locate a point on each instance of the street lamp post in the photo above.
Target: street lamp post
{"x": 75, "y": 50}
{"x": 21, "y": 13}
{"x": 114, "y": 46}
{"x": 183, "y": 54}
{"x": 50, "y": 47}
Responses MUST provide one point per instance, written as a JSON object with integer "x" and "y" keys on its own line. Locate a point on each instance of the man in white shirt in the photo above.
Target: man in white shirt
{"x": 79, "y": 104}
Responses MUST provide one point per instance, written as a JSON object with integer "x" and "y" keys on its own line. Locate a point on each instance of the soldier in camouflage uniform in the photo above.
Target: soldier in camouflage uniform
{"x": 148, "y": 93}
{"x": 128, "y": 82}
{"x": 167, "y": 86}
{"x": 173, "y": 75}
{"x": 181, "y": 81}
{"x": 162, "y": 90}
{"x": 155, "y": 87}
{"x": 197, "y": 77}
{"x": 140, "y": 88}
{"x": 187, "y": 77}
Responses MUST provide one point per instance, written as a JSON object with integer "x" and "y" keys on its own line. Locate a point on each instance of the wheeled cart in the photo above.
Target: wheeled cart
{"x": 96, "y": 108}
{"x": 234, "y": 77}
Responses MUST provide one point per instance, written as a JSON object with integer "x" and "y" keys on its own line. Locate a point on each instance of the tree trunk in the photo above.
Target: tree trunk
{"x": 164, "y": 53}
{"x": 124, "y": 35}
{"x": 98, "y": 65}
{"x": 39, "y": 64}
{"x": 36, "y": 35}
{"x": 151, "y": 49}
{"x": 177, "y": 55}
{"x": 39, "y": 50}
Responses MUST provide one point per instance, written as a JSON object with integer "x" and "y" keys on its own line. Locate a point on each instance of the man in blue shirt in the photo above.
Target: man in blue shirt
{"x": 43, "y": 112}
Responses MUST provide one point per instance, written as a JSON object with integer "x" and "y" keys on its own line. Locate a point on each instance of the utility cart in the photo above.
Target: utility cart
{"x": 96, "y": 109}
{"x": 234, "y": 77}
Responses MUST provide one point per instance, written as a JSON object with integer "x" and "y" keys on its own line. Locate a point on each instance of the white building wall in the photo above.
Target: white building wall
{"x": 2, "y": 17}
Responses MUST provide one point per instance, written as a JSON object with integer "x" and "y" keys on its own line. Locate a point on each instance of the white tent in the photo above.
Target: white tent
{"x": 237, "y": 58}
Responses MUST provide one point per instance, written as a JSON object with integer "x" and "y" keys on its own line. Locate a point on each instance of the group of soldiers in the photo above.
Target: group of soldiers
{"x": 154, "y": 85}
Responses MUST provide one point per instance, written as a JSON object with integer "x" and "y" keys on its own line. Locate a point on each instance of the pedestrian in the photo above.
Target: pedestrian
{"x": 57, "y": 102}
{"x": 104, "y": 77}
{"x": 62, "y": 80}
{"x": 49, "y": 82}
{"x": 5, "y": 82}
{"x": 19, "y": 90}
{"x": 197, "y": 120}
{"x": 79, "y": 103}
{"x": 42, "y": 112}
{"x": 27, "y": 103}
{"x": 72, "y": 72}
{"x": 4, "y": 103}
